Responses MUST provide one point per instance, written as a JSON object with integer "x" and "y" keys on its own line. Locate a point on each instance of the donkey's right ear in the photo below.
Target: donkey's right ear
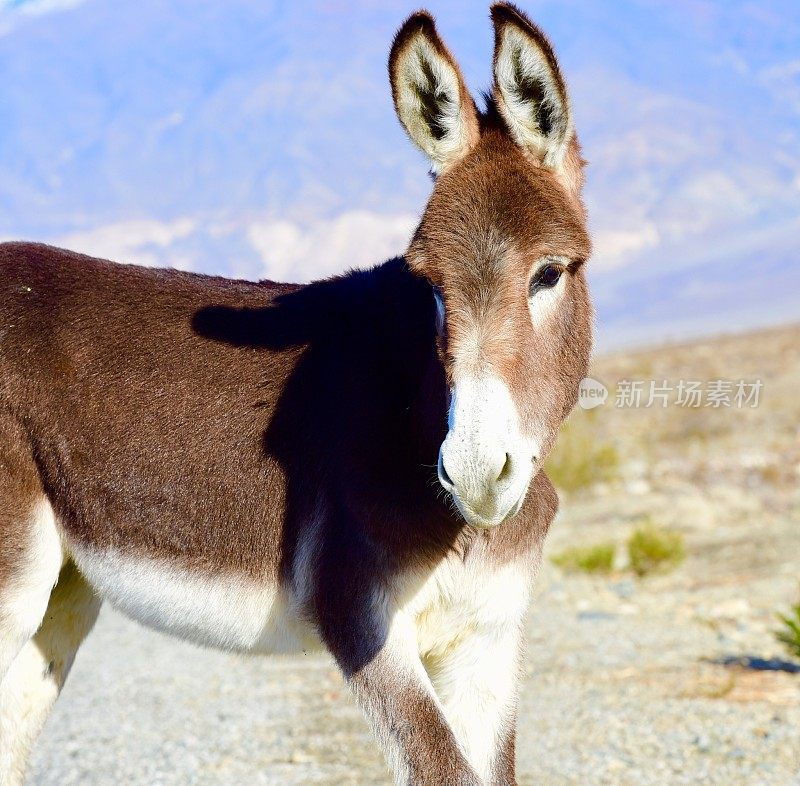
{"x": 429, "y": 93}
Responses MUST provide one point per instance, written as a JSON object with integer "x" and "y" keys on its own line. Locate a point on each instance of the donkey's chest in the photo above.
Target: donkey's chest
{"x": 461, "y": 600}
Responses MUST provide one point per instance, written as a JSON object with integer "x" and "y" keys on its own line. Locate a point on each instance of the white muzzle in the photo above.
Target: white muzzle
{"x": 485, "y": 463}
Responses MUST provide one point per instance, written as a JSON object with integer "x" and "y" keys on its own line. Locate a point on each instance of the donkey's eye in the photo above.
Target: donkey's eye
{"x": 546, "y": 278}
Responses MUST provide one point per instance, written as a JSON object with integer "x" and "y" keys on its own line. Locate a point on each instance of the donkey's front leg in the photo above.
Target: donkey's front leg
{"x": 377, "y": 652}
{"x": 476, "y": 681}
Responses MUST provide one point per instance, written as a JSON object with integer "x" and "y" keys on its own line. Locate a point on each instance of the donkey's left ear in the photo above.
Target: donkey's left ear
{"x": 429, "y": 93}
{"x": 528, "y": 87}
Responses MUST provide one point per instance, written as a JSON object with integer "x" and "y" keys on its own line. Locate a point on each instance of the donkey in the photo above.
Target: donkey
{"x": 354, "y": 464}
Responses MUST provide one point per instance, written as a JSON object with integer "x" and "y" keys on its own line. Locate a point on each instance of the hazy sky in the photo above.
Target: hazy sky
{"x": 258, "y": 139}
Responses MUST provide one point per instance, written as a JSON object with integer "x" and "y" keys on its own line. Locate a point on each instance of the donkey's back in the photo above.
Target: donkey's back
{"x": 142, "y": 431}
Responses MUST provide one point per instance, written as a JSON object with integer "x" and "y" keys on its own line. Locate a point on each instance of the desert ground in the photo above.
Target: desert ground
{"x": 670, "y": 678}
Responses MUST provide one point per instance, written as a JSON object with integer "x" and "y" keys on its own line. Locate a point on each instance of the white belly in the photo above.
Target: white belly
{"x": 226, "y": 611}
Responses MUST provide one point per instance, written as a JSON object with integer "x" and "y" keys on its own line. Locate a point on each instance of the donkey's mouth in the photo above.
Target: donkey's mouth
{"x": 488, "y": 505}
{"x": 486, "y": 518}
{"x": 487, "y": 510}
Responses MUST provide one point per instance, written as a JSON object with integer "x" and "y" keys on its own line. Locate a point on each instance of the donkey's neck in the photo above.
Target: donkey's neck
{"x": 360, "y": 417}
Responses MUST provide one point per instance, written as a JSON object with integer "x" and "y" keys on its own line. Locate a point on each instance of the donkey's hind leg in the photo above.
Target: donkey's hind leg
{"x": 38, "y": 672}
{"x": 40, "y": 627}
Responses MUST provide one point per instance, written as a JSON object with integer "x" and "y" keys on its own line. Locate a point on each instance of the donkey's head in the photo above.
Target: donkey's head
{"x": 502, "y": 242}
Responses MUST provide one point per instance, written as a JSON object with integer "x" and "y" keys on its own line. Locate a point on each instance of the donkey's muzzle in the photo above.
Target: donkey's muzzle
{"x": 486, "y": 490}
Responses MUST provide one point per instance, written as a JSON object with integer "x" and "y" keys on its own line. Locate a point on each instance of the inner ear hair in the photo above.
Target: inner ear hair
{"x": 429, "y": 93}
{"x": 434, "y": 102}
{"x": 528, "y": 87}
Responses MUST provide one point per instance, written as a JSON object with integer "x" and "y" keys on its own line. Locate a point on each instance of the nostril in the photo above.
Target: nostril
{"x": 505, "y": 472}
{"x": 445, "y": 479}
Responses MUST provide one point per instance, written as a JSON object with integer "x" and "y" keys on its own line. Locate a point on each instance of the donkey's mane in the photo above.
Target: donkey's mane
{"x": 490, "y": 117}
